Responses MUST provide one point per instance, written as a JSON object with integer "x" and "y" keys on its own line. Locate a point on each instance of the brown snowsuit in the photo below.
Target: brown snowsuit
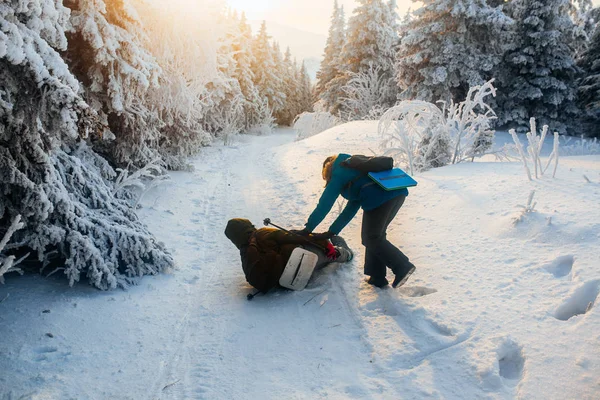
{"x": 264, "y": 251}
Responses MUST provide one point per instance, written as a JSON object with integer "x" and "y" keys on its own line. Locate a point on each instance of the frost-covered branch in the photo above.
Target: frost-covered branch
{"x": 144, "y": 179}
{"x": 534, "y": 150}
{"x": 526, "y": 209}
{"x": 521, "y": 152}
{"x": 7, "y": 263}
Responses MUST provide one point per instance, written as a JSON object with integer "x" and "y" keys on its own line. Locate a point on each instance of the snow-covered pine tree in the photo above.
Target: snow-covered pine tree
{"x": 449, "y": 46}
{"x": 394, "y": 19}
{"x": 537, "y": 78}
{"x": 371, "y": 39}
{"x": 255, "y": 107}
{"x": 589, "y": 85}
{"x": 48, "y": 174}
{"x": 279, "y": 99}
{"x": 306, "y": 98}
{"x": 224, "y": 117}
{"x": 106, "y": 53}
{"x": 331, "y": 76}
{"x": 291, "y": 89}
{"x": 264, "y": 69}
{"x": 335, "y": 42}
{"x": 582, "y": 14}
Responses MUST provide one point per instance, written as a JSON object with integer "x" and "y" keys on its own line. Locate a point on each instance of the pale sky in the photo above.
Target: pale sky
{"x": 308, "y": 15}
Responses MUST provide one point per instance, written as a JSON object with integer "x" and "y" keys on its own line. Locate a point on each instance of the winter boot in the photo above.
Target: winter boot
{"x": 344, "y": 252}
{"x": 343, "y": 255}
{"x": 401, "y": 279}
{"x": 379, "y": 282}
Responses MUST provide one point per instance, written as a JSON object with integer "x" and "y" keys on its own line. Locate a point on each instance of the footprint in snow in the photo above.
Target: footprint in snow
{"x": 579, "y": 302}
{"x": 561, "y": 266}
{"x": 416, "y": 291}
{"x": 502, "y": 363}
{"x": 511, "y": 362}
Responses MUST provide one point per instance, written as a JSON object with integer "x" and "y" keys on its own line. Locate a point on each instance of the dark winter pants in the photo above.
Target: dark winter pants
{"x": 379, "y": 251}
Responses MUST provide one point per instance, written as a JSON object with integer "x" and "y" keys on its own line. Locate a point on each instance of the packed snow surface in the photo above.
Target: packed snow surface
{"x": 503, "y": 305}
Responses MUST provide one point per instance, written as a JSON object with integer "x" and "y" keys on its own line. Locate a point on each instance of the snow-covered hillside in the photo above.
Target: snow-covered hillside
{"x": 497, "y": 309}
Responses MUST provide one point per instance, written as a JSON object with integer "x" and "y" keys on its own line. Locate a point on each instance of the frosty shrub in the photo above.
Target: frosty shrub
{"x": 367, "y": 94}
{"x": 580, "y": 147}
{"x": 533, "y": 153}
{"x": 421, "y": 135}
{"x": 310, "y": 124}
{"x": 49, "y": 176}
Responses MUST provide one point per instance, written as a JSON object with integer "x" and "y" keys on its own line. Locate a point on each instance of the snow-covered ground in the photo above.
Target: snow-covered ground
{"x": 495, "y": 310}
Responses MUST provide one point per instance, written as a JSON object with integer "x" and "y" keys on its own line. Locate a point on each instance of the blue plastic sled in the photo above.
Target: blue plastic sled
{"x": 393, "y": 179}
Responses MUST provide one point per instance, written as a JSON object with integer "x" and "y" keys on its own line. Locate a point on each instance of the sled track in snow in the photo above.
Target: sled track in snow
{"x": 184, "y": 375}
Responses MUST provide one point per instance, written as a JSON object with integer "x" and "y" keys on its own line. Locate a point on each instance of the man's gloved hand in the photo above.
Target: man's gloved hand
{"x": 301, "y": 232}
{"x": 322, "y": 236}
{"x": 331, "y": 252}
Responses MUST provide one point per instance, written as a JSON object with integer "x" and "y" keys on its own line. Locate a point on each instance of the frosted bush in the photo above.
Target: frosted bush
{"x": 310, "y": 124}
{"x": 580, "y": 147}
{"x": 367, "y": 94}
{"x": 534, "y": 150}
{"x": 422, "y": 135}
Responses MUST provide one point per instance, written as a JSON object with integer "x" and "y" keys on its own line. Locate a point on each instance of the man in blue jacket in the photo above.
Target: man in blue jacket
{"x": 379, "y": 209}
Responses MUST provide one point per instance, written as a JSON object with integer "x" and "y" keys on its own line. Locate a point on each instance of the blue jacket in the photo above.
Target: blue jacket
{"x": 362, "y": 193}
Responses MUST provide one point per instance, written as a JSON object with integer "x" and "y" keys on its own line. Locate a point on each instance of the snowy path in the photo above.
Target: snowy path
{"x": 224, "y": 344}
{"x": 494, "y": 311}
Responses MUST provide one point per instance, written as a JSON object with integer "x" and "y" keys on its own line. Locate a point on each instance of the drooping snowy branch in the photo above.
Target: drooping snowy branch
{"x": 8, "y": 263}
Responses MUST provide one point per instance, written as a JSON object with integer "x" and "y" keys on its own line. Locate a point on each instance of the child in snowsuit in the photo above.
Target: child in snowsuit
{"x": 265, "y": 252}
{"x": 379, "y": 206}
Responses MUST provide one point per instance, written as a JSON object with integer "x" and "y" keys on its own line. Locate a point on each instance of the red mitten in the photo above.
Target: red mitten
{"x": 331, "y": 253}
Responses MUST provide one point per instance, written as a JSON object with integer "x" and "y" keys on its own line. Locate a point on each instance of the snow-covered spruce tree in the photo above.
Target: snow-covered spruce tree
{"x": 292, "y": 91}
{"x": 582, "y": 13}
{"x": 256, "y": 111}
{"x": 224, "y": 115}
{"x": 449, "y": 46}
{"x": 589, "y": 85}
{"x": 106, "y": 53}
{"x": 48, "y": 174}
{"x": 279, "y": 88}
{"x": 325, "y": 89}
{"x": 306, "y": 98}
{"x": 371, "y": 39}
{"x": 264, "y": 69}
{"x": 537, "y": 78}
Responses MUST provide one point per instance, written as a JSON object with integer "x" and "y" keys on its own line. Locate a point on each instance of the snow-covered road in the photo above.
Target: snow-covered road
{"x": 491, "y": 313}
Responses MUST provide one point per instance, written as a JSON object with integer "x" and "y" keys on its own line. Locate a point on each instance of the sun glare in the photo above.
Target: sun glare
{"x": 253, "y": 8}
